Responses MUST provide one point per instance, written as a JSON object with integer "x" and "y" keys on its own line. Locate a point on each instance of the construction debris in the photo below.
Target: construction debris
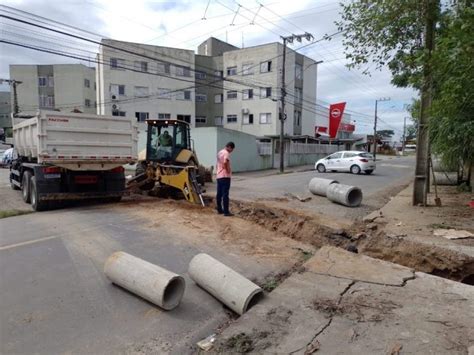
{"x": 453, "y": 234}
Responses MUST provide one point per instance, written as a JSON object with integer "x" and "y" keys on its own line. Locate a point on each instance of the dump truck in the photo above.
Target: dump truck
{"x": 71, "y": 156}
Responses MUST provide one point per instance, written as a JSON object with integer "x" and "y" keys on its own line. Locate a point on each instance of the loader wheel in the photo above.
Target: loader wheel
{"x": 141, "y": 169}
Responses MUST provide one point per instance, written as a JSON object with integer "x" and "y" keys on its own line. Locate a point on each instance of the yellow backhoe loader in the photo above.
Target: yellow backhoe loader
{"x": 169, "y": 160}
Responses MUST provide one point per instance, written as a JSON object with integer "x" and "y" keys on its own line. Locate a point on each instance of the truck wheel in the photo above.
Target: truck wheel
{"x": 35, "y": 201}
{"x": 25, "y": 186}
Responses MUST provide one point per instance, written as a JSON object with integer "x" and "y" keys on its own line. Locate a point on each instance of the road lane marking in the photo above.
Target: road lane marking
{"x": 11, "y": 246}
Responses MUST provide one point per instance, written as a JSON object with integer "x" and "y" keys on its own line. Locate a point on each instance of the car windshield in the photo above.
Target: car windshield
{"x": 366, "y": 155}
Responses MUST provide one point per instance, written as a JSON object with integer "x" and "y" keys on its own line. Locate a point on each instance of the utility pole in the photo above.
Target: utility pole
{"x": 422, "y": 169}
{"x": 282, "y": 115}
{"x": 404, "y": 139}
{"x": 13, "y": 84}
{"x": 375, "y": 124}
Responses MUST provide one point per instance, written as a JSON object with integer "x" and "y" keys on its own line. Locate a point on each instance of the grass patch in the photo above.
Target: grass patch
{"x": 13, "y": 213}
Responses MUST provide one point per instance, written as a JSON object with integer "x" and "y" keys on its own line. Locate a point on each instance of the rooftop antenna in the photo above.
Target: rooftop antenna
{"x": 256, "y": 13}
{"x": 235, "y": 15}
{"x": 205, "y": 11}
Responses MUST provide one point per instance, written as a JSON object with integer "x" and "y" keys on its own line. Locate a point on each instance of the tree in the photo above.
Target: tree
{"x": 452, "y": 126}
{"x": 411, "y": 132}
{"x": 386, "y": 133}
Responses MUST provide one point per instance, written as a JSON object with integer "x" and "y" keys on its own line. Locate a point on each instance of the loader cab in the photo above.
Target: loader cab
{"x": 166, "y": 140}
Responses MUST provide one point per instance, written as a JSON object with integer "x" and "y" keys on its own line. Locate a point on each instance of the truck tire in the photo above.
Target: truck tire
{"x": 25, "y": 186}
{"x": 35, "y": 201}
{"x": 141, "y": 169}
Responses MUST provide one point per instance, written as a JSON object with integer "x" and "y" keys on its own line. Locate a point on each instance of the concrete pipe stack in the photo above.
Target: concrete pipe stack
{"x": 346, "y": 195}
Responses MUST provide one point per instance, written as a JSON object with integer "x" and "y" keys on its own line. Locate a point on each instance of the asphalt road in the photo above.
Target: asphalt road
{"x": 391, "y": 176}
{"x": 56, "y": 299}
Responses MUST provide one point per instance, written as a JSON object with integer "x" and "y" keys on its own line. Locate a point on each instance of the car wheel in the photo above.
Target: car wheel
{"x": 368, "y": 172}
{"x": 35, "y": 201}
{"x": 25, "y": 186}
{"x": 355, "y": 169}
{"x": 321, "y": 168}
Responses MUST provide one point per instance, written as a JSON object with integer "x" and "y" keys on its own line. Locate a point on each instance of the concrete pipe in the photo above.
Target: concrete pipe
{"x": 228, "y": 286}
{"x": 149, "y": 281}
{"x": 318, "y": 186}
{"x": 344, "y": 194}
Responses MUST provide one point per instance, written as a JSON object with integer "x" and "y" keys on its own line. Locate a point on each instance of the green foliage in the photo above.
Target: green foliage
{"x": 386, "y": 133}
{"x": 386, "y": 33}
{"x": 452, "y": 123}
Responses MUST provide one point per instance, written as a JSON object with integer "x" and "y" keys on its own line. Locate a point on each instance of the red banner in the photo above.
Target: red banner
{"x": 335, "y": 116}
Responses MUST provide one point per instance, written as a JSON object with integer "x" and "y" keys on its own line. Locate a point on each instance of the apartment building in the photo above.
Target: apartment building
{"x": 64, "y": 87}
{"x": 249, "y": 98}
{"x": 5, "y": 109}
{"x": 144, "y": 81}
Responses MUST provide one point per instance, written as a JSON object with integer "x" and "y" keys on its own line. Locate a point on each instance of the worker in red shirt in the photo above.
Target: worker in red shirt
{"x": 224, "y": 174}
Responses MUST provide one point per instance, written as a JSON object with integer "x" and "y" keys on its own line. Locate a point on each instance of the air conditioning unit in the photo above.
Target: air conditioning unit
{"x": 114, "y": 97}
{"x": 245, "y": 111}
{"x": 115, "y": 107}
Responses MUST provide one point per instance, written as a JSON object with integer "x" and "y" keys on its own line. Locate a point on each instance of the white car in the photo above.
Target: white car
{"x": 348, "y": 160}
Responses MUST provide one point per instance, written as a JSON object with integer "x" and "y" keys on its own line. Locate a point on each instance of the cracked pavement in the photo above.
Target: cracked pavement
{"x": 345, "y": 303}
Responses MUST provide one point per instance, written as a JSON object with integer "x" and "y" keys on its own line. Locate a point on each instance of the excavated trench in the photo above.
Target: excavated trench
{"x": 363, "y": 238}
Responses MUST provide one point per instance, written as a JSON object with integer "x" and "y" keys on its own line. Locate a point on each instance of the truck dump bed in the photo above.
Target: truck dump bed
{"x": 77, "y": 141}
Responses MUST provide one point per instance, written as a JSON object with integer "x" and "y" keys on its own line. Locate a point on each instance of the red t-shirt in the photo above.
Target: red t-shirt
{"x": 222, "y": 157}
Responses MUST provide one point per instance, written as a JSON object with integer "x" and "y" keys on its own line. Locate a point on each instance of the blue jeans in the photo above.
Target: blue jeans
{"x": 222, "y": 198}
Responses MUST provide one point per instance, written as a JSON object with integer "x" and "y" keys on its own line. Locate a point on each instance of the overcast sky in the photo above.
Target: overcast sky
{"x": 180, "y": 24}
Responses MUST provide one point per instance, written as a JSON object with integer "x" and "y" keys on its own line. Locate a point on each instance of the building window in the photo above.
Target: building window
{"x": 185, "y": 118}
{"x": 201, "y": 119}
{"x": 231, "y": 71}
{"x": 141, "y": 66}
{"x": 247, "y": 118}
{"x": 247, "y": 69}
{"x": 43, "y": 99}
{"x": 219, "y": 73}
{"x": 163, "y": 68}
{"x": 87, "y": 83}
{"x": 200, "y": 75}
{"x": 183, "y": 71}
{"x": 117, "y": 90}
{"x": 141, "y": 91}
{"x": 298, "y": 118}
{"x": 117, "y": 63}
{"x": 164, "y": 116}
{"x": 141, "y": 116}
{"x": 266, "y": 67}
{"x": 265, "y": 92}
{"x": 119, "y": 113}
{"x": 201, "y": 98}
{"x": 247, "y": 94}
{"x": 87, "y": 103}
{"x": 231, "y": 118}
{"x": 265, "y": 118}
{"x": 164, "y": 94}
{"x": 298, "y": 95}
{"x": 51, "y": 81}
{"x": 298, "y": 72}
{"x": 231, "y": 95}
{"x": 218, "y": 98}
{"x": 218, "y": 121}
{"x": 183, "y": 95}
{"x": 42, "y": 81}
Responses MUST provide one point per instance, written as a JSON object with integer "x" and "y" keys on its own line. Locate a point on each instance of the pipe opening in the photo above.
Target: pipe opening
{"x": 253, "y": 299}
{"x": 354, "y": 197}
{"x": 173, "y": 293}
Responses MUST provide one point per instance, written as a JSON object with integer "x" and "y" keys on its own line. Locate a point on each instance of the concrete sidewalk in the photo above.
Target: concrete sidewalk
{"x": 345, "y": 303}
